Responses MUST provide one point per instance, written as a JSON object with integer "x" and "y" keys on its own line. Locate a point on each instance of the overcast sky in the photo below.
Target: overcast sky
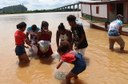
{"x": 38, "y": 4}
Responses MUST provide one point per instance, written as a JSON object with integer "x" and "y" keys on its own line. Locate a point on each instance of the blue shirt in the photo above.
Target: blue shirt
{"x": 29, "y": 29}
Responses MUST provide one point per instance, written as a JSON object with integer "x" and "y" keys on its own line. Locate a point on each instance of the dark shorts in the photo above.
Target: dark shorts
{"x": 79, "y": 65}
{"x": 20, "y": 50}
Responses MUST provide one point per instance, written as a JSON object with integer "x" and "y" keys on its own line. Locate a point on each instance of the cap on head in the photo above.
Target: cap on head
{"x": 119, "y": 16}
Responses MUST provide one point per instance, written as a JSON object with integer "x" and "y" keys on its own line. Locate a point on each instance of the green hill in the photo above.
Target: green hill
{"x": 13, "y": 9}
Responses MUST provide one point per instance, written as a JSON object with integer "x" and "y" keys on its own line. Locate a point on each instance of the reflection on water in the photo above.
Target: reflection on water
{"x": 104, "y": 66}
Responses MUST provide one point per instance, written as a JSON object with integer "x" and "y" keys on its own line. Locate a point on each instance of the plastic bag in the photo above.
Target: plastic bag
{"x": 44, "y": 45}
{"x": 55, "y": 55}
{"x": 61, "y": 73}
{"x": 33, "y": 50}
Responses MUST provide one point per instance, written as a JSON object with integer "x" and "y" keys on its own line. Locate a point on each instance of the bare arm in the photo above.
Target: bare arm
{"x": 60, "y": 63}
{"x": 27, "y": 42}
{"x": 57, "y": 38}
{"x": 50, "y": 35}
{"x": 120, "y": 29}
{"x": 27, "y": 34}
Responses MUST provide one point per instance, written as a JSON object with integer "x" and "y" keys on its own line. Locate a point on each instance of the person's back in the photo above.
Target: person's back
{"x": 74, "y": 58}
{"x": 115, "y": 25}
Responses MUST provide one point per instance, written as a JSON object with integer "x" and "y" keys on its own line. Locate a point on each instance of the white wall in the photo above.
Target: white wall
{"x": 102, "y": 10}
{"x": 85, "y": 8}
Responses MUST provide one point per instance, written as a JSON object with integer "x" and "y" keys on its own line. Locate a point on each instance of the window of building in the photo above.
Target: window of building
{"x": 97, "y": 9}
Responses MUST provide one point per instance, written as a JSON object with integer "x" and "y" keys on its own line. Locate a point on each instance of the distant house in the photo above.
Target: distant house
{"x": 13, "y": 9}
{"x": 105, "y": 10}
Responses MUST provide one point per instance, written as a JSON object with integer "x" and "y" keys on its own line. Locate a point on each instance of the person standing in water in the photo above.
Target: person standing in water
{"x": 73, "y": 58}
{"x": 45, "y": 34}
{"x": 79, "y": 37}
{"x": 31, "y": 33}
{"x": 115, "y": 29}
{"x": 63, "y": 34}
{"x": 20, "y": 40}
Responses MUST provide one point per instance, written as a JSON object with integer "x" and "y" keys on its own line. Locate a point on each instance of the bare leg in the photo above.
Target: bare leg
{"x": 76, "y": 77}
{"x": 69, "y": 76}
{"x": 23, "y": 59}
{"x": 111, "y": 43}
{"x": 121, "y": 42}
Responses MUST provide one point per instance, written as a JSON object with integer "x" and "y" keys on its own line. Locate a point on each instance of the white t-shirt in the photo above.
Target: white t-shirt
{"x": 115, "y": 25}
{"x": 63, "y": 37}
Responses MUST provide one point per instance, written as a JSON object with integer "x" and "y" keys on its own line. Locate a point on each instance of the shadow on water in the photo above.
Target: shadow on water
{"x": 78, "y": 81}
{"x": 74, "y": 81}
{"x": 43, "y": 60}
{"x": 46, "y": 60}
{"x": 119, "y": 51}
{"x": 87, "y": 61}
{"x": 23, "y": 65}
{"x": 33, "y": 56}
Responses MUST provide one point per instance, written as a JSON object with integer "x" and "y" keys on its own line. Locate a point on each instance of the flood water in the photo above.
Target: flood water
{"x": 104, "y": 66}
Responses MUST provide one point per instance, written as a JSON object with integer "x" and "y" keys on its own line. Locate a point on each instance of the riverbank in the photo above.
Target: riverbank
{"x": 101, "y": 26}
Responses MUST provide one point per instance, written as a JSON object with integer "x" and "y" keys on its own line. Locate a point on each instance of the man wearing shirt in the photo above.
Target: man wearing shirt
{"x": 115, "y": 29}
{"x": 32, "y": 31}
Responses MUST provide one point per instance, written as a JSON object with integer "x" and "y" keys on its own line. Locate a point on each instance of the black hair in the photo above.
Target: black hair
{"x": 34, "y": 27}
{"x": 21, "y": 25}
{"x": 71, "y": 18}
{"x": 44, "y": 24}
{"x": 64, "y": 47}
{"x": 61, "y": 27}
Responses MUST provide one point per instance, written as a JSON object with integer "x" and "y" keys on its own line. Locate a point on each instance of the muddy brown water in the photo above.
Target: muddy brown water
{"x": 104, "y": 66}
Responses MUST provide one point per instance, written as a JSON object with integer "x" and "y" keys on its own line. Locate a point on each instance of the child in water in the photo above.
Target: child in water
{"x": 31, "y": 33}
{"x": 63, "y": 34}
{"x": 74, "y": 58}
{"x": 20, "y": 40}
{"x": 46, "y": 35}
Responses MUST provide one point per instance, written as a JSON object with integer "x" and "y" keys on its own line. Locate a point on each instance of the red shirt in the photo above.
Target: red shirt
{"x": 45, "y": 36}
{"x": 68, "y": 57}
{"x": 19, "y": 37}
